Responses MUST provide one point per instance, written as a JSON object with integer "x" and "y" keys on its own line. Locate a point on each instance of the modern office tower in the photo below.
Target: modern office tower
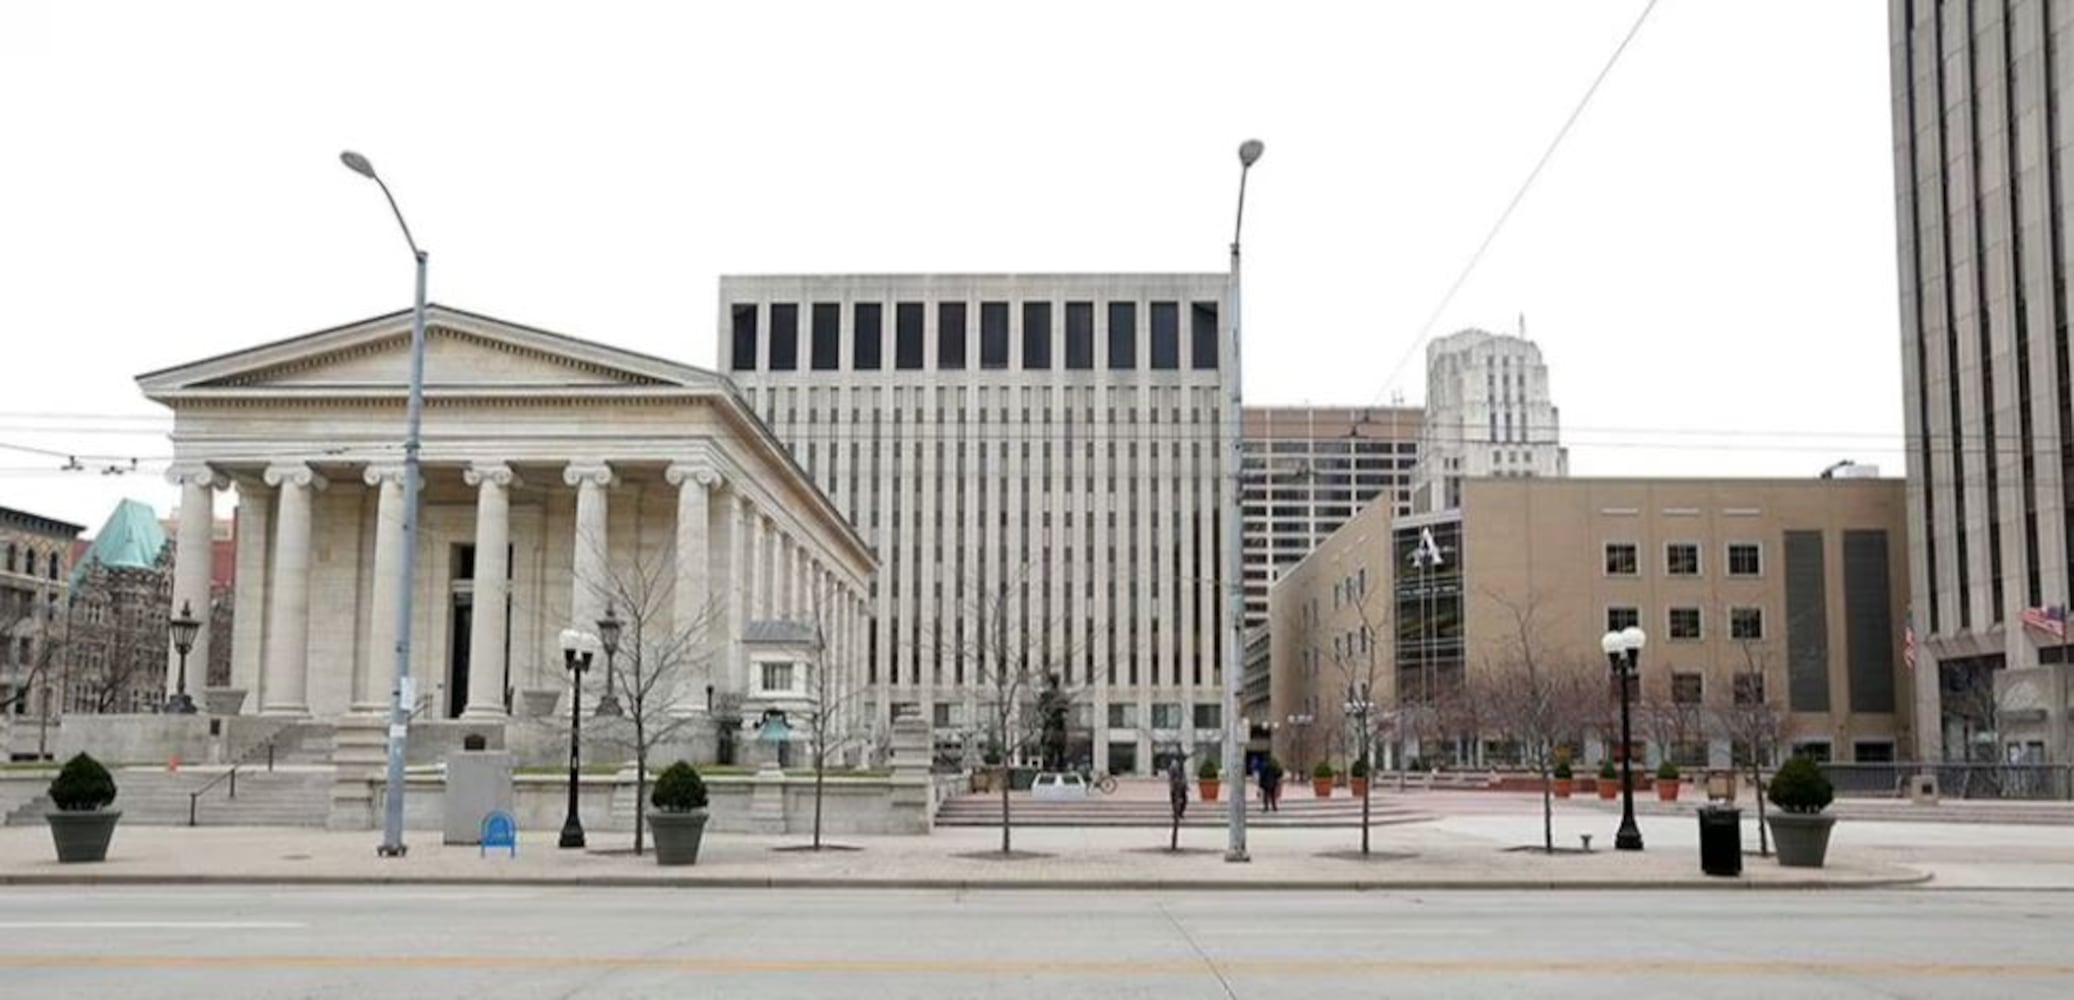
{"x": 1488, "y": 414}
{"x": 1039, "y": 451}
{"x": 1307, "y": 470}
{"x": 1979, "y": 104}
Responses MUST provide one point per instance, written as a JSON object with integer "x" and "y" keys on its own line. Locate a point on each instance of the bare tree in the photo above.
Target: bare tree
{"x": 1355, "y": 658}
{"x": 119, "y": 632}
{"x": 1669, "y": 719}
{"x": 830, "y": 716}
{"x": 1536, "y": 699}
{"x": 23, "y": 617}
{"x": 1755, "y": 723}
{"x": 656, "y": 658}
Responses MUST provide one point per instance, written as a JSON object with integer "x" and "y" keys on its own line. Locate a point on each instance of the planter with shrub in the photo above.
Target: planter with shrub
{"x": 679, "y": 820}
{"x": 1206, "y": 779}
{"x": 1667, "y": 782}
{"x": 81, "y": 825}
{"x": 1609, "y": 780}
{"x": 1357, "y": 778}
{"x": 1565, "y": 779}
{"x": 1799, "y": 828}
{"x": 1321, "y": 780}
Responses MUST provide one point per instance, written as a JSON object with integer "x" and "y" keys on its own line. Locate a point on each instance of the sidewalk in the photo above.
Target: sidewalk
{"x": 1468, "y": 853}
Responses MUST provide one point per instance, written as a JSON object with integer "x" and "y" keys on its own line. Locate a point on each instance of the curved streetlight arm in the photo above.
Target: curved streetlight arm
{"x": 414, "y": 251}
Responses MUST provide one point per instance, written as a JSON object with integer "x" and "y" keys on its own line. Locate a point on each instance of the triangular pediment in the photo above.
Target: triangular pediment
{"x": 462, "y": 351}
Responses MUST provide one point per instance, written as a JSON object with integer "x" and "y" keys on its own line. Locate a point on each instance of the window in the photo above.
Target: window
{"x": 784, "y": 336}
{"x": 1682, "y": 559}
{"x": 993, "y": 335}
{"x": 1745, "y": 559}
{"x": 1123, "y": 716}
{"x": 1202, "y": 330}
{"x": 777, "y": 677}
{"x": 1080, "y": 335}
{"x": 1123, "y": 336}
{"x": 743, "y": 354}
{"x": 1166, "y": 715}
{"x": 940, "y": 715}
{"x": 827, "y": 344}
{"x": 1685, "y": 623}
{"x": 907, "y": 336}
{"x": 867, "y": 340}
{"x": 1207, "y": 716}
{"x": 1873, "y": 752}
{"x": 950, "y": 336}
{"x": 1620, "y": 618}
{"x": 1687, "y": 689}
{"x": 1621, "y": 559}
{"x": 1166, "y": 336}
{"x": 1036, "y": 336}
{"x": 1746, "y": 623}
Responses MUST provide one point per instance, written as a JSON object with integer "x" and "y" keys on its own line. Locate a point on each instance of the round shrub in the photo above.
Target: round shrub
{"x": 1666, "y": 771}
{"x": 1799, "y": 787}
{"x": 1208, "y": 770}
{"x": 679, "y": 789}
{"x": 1323, "y": 771}
{"x": 82, "y": 785}
{"x": 1359, "y": 770}
{"x": 1607, "y": 772}
{"x": 1562, "y": 768}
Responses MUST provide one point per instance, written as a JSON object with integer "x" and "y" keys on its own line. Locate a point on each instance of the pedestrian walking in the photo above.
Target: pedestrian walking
{"x": 1177, "y": 787}
{"x": 1271, "y": 785}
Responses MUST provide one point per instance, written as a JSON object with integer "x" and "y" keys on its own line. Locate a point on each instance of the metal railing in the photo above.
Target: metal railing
{"x": 252, "y": 756}
{"x": 2025, "y": 782}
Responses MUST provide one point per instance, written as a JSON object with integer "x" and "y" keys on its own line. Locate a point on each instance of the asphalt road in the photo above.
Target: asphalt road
{"x": 517, "y": 943}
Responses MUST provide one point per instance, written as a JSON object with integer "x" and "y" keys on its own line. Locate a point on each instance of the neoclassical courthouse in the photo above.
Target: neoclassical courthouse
{"x": 556, "y": 473}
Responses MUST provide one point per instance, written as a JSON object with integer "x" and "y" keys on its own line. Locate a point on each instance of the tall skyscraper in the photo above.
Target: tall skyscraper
{"x": 1488, "y": 413}
{"x": 1307, "y": 470}
{"x": 1047, "y": 439}
{"x": 1980, "y": 92}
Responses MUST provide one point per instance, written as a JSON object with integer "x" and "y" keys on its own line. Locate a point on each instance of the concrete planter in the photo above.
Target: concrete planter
{"x": 223, "y": 701}
{"x": 677, "y": 836}
{"x": 1802, "y": 838}
{"x": 1667, "y": 789}
{"x": 1565, "y": 787}
{"x": 535, "y": 703}
{"x": 1321, "y": 787}
{"x": 1209, "y": 788}
{"x": 82, "y": 836}
{"x": 1608, "y": 788}
{"x": 1358, "y": 786}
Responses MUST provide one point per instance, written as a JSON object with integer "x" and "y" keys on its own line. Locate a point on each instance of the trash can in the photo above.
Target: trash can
{"x": 1721, "y": 840}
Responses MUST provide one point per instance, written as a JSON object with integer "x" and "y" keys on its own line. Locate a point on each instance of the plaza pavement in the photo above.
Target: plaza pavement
{"x": 1462, "y": 844}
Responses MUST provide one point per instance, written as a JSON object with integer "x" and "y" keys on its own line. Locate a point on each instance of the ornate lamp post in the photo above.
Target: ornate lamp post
{"x": 1624, "y": 653}
{"x": 185, "y": 627}
{"x": 608, "y": 636}
{"x": 577, "y": 650}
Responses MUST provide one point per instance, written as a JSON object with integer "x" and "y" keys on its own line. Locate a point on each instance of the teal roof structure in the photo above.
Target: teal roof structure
{"x": 131, "y": 538}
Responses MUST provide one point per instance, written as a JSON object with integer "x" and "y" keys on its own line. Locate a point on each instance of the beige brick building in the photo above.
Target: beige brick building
{"x": 1802, "y": 580}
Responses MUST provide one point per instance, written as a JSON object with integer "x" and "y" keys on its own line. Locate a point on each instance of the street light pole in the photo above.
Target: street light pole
{"x": 392, "y": 845}
{"x": 1234, "y": 571}
{"x": 1624, "y": 652}
{"x": 577, "y": 650}
{"x": 184, "y": 627}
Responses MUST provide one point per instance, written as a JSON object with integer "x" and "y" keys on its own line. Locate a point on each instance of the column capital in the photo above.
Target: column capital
{"x": 597, "y": 473}
{"x": 295, "y": 474}
{"x": 386, "y": 472}
{"x": 197, "y": 474}
{"x": 704, "y": 475}
{"x": 491, "y": 473}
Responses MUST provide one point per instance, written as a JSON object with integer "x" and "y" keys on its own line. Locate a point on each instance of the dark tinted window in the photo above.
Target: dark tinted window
{"x": 1166, "y": 336}
{"x": 1080, "y": 335}
{"x": 1123, "y": 336}
{"x": 869, "y": 340}
{"x": 1036, "y": 335}
{"x": 950, "y": 336}
{"x": 828, "y": 345}
{"x": 784, "y": 336}
{"x": 743, "y": 350}
{"x": 907, "y": 336}
{"x": 993, "y": 335}
{"x": 1202, "y": 329}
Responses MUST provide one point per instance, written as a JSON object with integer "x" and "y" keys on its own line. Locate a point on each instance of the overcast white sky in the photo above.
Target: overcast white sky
{"x": 1712, "y": 249}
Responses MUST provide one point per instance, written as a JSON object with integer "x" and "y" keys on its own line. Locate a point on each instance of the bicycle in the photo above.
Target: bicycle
{"x": 1101, "y": 781}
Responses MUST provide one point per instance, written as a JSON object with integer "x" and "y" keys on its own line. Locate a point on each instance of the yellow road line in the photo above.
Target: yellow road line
{"x": 1322, "y": 966}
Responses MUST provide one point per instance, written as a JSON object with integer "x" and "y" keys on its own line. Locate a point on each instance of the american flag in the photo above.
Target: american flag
{"x": 2050, "y": 620}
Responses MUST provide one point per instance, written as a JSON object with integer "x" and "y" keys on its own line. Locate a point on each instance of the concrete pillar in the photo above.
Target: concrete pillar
{"x": 695, "y": 613}
{"x": 591, "y": 579}
{"x": 737, "y": 589}
{"x": 759, "y": 566}
{"x": 486, "y": 652}
{"x": 375, "y": 674}
{"x": 288, "y": 624}
{"x": 248, "y": 639}
{"x": 193, "y": 559}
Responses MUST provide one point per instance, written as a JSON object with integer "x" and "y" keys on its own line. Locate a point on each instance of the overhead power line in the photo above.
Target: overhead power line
{"x": 1426, "y": 330}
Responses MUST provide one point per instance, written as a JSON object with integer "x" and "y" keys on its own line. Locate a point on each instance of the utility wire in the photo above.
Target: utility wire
{"x": 1490, "y": 237}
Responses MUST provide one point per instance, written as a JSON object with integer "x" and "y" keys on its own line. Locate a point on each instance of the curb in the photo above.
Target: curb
{"x": 965, "y": 885}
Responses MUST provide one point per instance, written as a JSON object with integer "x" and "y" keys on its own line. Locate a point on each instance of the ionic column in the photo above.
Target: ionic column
{"x": 193, "y": 557}
{"x": 781, "y": 575}
{"x": 737, "y": 586}
{"x": 694, "y": 614}
{"x": 248, "y": 639}
{"x": 377, "y": 662}
{"x": 759, "y": 566}
{"x": 492, "y": 482}
{"x": 590, "y": 577}
{"x": 288, "y": 624}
